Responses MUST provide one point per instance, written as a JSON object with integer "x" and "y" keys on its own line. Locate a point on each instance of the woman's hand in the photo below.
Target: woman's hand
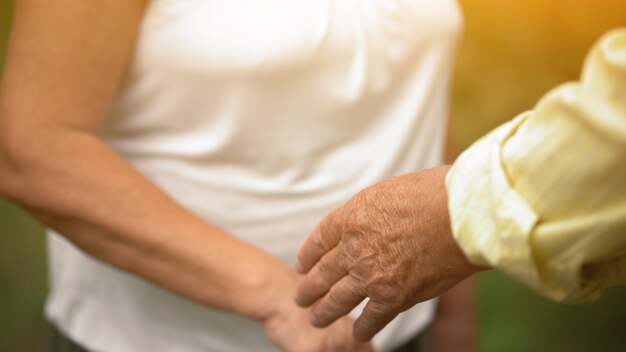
{"x": 392, "y": 243}
{"x": 288, "y": 327}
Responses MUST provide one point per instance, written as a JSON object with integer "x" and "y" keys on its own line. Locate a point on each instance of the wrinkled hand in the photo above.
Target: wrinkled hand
{"x": 392, "y": 242}
{"x": 290, "y": 330}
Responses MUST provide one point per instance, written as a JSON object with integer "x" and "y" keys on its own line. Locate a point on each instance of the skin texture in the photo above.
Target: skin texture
{"x": 391, "y": 243}
{"x": 64, "y": 64}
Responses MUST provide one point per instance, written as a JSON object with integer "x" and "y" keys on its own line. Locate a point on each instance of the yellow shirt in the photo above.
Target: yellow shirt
{"x": 543, "y": 197}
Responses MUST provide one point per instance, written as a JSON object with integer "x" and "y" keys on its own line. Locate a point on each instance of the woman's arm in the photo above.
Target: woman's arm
{"x": 64, "y": 64}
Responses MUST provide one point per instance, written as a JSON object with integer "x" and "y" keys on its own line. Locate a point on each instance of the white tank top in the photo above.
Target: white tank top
{"x": 260, "y": 116}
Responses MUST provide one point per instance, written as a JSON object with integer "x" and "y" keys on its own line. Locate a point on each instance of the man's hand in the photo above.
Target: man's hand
{"x": 391, "y": 243}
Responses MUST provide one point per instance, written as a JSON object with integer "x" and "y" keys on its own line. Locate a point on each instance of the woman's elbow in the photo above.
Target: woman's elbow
{"x": 16, "y": 157}
{"x": 9, "y": 179}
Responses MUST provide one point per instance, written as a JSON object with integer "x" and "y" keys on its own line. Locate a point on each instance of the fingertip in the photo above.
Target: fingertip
{"x": 317, "y": 321}
{"x": 300, "y": 299}
{"x": 374, "y": 318}
{"x": 313, "y": 320}
{"x": 305, "y": 297}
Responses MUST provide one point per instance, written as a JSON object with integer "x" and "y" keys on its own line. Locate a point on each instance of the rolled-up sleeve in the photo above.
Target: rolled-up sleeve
{"x": 543, "y": 197}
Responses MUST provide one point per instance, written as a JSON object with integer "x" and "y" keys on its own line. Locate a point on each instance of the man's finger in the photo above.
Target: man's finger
{"x": 339, "y": 301}
{"x": 328, "y": 270}
{"x": 374, "y": 318}
{"x": 324, "y": 237}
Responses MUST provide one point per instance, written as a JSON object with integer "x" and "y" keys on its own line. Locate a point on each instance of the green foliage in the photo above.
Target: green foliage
{"x": 512, "y": 318}
{"x": 6, "y": 9}
{"x": 22, "y": 281}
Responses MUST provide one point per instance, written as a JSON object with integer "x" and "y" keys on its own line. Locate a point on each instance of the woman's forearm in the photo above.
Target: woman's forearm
{"x": 76, "y": 184}
{"x": 64, "y": 64}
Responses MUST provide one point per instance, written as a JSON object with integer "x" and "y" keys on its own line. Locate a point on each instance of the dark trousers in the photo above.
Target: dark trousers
{"x": 57, "y": 342}
{"x": 61, "y": 343}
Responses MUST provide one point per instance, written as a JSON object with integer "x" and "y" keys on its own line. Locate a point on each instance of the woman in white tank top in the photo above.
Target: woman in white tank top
{"x": 181, "y": 150}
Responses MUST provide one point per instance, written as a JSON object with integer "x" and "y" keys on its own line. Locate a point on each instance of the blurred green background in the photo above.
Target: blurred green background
{"x": 512, "y": 53}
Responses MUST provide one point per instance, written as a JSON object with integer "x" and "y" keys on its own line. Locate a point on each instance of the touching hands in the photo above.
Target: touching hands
{"x": 391, "y": 243}
{"x": 287, "y": 326}
{"x": 291, "y": 331}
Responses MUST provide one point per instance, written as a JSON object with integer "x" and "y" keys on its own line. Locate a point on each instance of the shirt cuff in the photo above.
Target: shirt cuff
{"x": 491, "y": 222}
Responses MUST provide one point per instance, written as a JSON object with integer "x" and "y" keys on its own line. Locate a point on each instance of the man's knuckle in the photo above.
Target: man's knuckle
{"x": 335, "y": 298}
{"x": 359, "y": 276}
{"x": 327, "y": 267}
{"x": 384, "y": 290}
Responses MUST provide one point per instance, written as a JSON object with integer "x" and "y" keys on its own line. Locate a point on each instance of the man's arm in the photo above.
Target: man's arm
{"x": 391, "y": 243}
{"x": 542, "y": 198}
